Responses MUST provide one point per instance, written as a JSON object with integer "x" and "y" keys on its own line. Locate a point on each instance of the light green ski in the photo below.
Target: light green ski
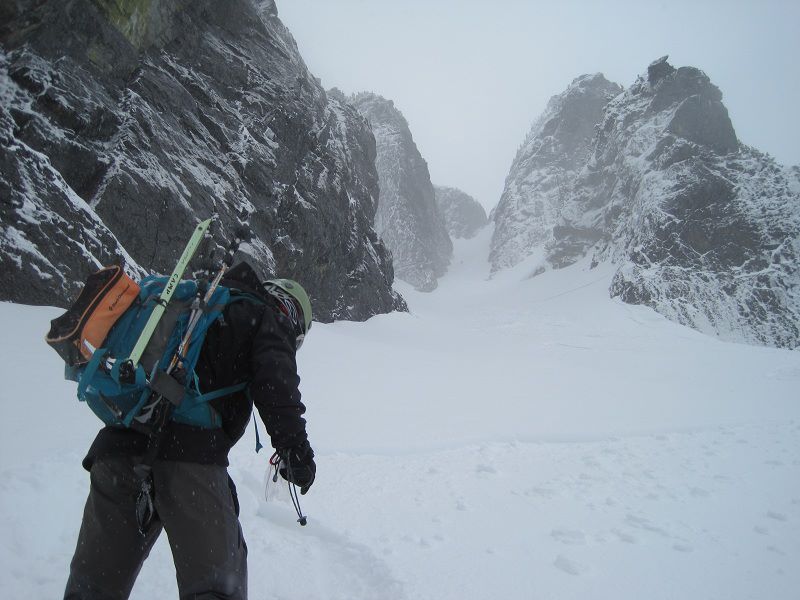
{"x": 172, "y": 283}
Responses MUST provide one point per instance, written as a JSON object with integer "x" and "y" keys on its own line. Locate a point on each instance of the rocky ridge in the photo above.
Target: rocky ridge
{"x": 539, "y": 181}
{"x": 702, "y": 228}
{"x": 407, "y": 218}
{"x": 463, "y": 215}
{"x": 123, "y": 123}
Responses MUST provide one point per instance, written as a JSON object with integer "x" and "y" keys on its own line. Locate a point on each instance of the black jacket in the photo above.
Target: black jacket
{"x": 252, "y": 342}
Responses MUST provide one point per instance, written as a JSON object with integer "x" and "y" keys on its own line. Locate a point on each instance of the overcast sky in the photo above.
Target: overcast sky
{"x": 471, "y": 76}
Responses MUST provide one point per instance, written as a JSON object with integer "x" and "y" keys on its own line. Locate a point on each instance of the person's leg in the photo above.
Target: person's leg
{"x": 197, "y": 508}
{"x": 110, "y": 550}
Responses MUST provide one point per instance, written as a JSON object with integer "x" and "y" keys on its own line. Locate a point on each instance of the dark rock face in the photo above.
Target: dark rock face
{"x": 658, "y": 70}
{"x": 463, "y": 215}
{"x": 541, "y": 175}
{"x": 124, "y": 123}
{"x": 407, "y": 218}
{"x": 718, "y": 249}
{"x": 702, "y": 229}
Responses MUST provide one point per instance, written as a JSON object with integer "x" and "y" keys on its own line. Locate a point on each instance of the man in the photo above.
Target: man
{"x": 193, "y": 498}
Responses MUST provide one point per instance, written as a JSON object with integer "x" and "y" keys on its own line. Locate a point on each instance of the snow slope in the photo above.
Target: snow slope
{"x": 506, "y": 439}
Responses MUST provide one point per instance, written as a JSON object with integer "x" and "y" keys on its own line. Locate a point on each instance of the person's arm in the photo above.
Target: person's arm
{"x": 275, "y": 394}
{"x": 274, "y": 386}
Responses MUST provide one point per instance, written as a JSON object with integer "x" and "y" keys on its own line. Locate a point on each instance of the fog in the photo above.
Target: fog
{"x": 471, "y": 77}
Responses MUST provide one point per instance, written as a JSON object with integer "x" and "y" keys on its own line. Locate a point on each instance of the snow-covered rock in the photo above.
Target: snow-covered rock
{"x": 127, "y": 122}
{"x": 407, "y": 219}
{"x": 463, "y": 215}
{"x": 539, "y": 181}
{"x": 701, "y": 228}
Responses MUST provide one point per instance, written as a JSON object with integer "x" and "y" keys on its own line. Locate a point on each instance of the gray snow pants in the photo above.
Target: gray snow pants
{"x": 196, "y": 507}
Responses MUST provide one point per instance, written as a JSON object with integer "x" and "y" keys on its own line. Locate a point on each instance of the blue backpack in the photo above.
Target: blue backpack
{"x": 118, "y": 398}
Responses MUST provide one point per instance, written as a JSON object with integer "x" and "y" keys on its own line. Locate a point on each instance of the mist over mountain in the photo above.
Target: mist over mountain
{"x": 702, "y": 228}
{"x": 407, "y": 219}
{"x": 463, "y": 215}
{"x": 125, "y": 123}
{"x": 539, "y": 181}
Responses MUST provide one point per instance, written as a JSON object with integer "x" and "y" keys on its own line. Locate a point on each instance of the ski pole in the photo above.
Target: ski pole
{"x": 227, "y": 261}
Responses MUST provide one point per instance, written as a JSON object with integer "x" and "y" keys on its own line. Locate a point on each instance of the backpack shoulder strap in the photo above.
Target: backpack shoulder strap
{"x": 240, "y": 295}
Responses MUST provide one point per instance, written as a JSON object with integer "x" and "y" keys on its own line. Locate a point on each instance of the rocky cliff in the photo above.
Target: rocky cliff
{"x": 463, "y": 215}
{"x": 539, "y": 181}
{"x": 702, "y": 228}
{"x": 123, "y": 123}
{"x": 407, "y": 219}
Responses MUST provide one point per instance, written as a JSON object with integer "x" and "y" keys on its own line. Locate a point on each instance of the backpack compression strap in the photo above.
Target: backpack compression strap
{"x": 91, "y": 370}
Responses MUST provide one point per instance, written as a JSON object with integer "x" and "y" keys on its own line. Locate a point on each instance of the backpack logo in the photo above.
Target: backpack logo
{"x": 113, "y": 305}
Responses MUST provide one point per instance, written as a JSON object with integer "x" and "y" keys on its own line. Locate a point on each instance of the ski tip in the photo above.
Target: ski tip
{"x": 204, "y": 224}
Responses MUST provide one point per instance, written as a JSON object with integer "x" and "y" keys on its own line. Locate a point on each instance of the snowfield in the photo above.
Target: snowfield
{"x": 510, "y": 439}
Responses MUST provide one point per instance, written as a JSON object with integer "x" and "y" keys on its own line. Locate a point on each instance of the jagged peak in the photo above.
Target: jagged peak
{"x": 370, "y": 101}
{"x": 660, "y": 74}
{"x": 590, "y": 80}
{"x": 267, "y": 8}
{"x": 594, "y": 82}
{"x": 463, "y": 215}
{"x": 375, "y": 107}
{"x": 337, "y": 94}
{"x": 368, "y": 96}
{"x": 702, "y": 228}
{"x": 659, "y": 69}
{"x": 587, "y": 88}
{"x": 691, "y": 101}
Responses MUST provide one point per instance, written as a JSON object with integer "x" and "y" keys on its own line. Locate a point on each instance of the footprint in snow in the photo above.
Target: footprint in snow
{"x": 645, "y": 524}
{"x": 482, "y": 468}
{"x": 572, "y": 567}
{"x": 540, "y": 492}
{"x": 334, "y": 566}
{"x": 569, "y": 537}
{"x": 624, "y": 536}
{"x": 776, "y": 515}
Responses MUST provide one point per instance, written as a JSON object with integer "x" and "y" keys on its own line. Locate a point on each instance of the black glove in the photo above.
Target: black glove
{"x": 297, "y": 465}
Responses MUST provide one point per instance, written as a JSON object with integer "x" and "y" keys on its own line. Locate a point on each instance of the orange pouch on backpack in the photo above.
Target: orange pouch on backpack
{"x": 77, "y": 333}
